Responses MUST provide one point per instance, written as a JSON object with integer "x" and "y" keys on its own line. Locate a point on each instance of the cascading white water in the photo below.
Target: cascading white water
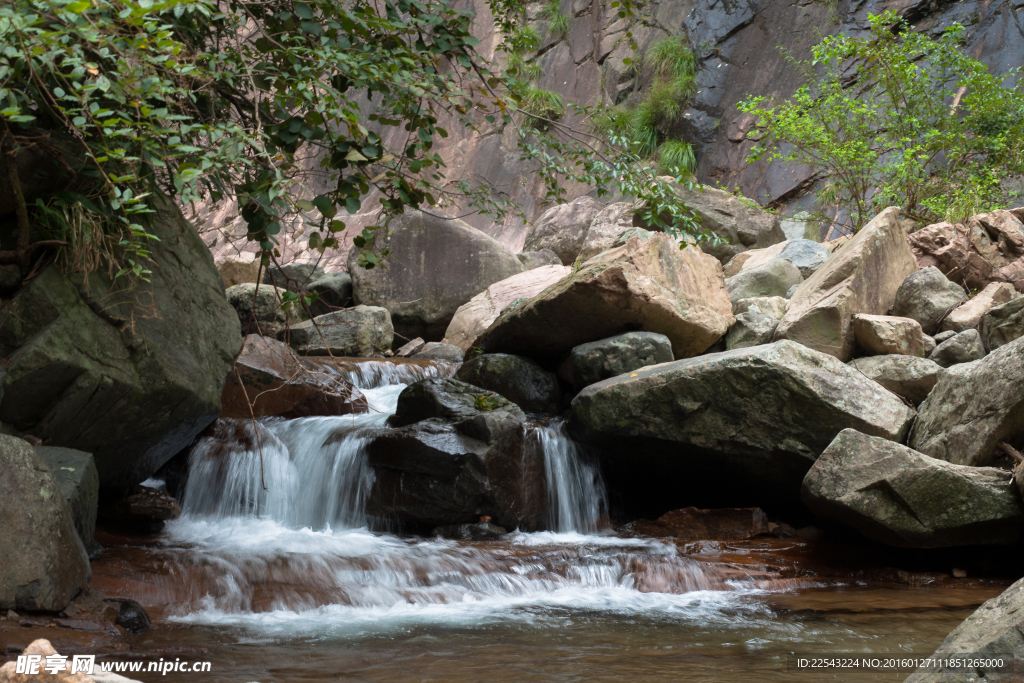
{"x": 576, "y": 492}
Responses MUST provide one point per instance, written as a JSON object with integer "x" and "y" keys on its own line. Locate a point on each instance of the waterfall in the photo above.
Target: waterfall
{"x": 577, "y": 499}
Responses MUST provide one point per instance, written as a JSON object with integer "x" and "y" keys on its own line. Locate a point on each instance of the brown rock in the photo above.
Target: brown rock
{"x": 650, "y": 285}
{"x": 861, "y": 277}
{"x": 144, "y": 509}
{"x": 968, "y": 315}
{"x": 693, "y": 524}
{"x": 238, "y": 272}
{"x": 949, "y": 248}
{"x": 274, "y": 381}
{"x": 880, "y": 335}
{"x": 43, "y": 649}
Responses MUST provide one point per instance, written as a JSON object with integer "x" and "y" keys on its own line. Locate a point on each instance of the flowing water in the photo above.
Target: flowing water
{"x": 289, "y": 581}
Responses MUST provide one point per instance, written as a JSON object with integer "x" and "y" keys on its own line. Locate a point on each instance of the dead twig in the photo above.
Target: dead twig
{"x": 255, "y": 427}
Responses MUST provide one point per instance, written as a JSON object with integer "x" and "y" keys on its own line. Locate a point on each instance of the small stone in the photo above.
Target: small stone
{"x": 131, "y": 616}
{"x": 414, "y": 346}
{"x": 483, "y": 531}
{"x": 959, "y": 573}
{"x": 440, "y": 351}
{"x": 12, "y": 615}
{"x": 943, "y": 336}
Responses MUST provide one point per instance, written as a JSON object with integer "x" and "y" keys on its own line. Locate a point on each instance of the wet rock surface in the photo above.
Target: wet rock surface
{"x": 518, "y": 379}
{"x": 617, "y": 355}
{"x": 694, "y": 524}
{"x": 79, "y": 483}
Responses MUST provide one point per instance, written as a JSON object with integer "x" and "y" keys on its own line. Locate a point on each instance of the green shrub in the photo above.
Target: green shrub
{"x": 558, "y": 21}
{"x": 677, "y": 154}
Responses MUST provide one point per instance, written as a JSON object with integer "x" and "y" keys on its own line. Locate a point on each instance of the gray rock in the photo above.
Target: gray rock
{"x": 973, "y": 407}
{"x": 806, "y": 255}
{"x": 359, "y": 332}
{"x": 897, "y": 496}
{"x": 79, "y": 483}
{"x": 607, "y": 228}
{"x": 927, "y": 296}
{"x": 259, "y": 308}
{"x": 296, "y": 276}
{"x": 334, "y": 289}
{"x": 908, "y": 376}
{"x": 791, "y": 291}
{"x": 775, "y": 306}
{"x": 751, "y": 329}
{"x": 439, "y": 351}
{"x": 595, "y": 361}
{"x": 993, "y": 631}
{"x": 563, "y": 228}
{"x": 518, "y": 379}
{"x": 1002, "y": 324}
{"x": 483, "y": 531}
{"x": 437, "y": 264}
{"x": 960, "y": 348}
{"x": 130, "y": 380}
{"x": 774, "y": 278}
{"x": 929, "y": 344}
{"x": 45, "y": 563}
{"x": 940, "y": 337}
{"x": 801, "y": 226}
{"x": 536, "y": 259}
{"x": 760, "y": 415}
{"x": 409, "y": 348}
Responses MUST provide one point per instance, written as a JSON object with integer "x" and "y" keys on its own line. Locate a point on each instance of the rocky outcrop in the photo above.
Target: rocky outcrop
{"x": 886, "y": 334}
{"x": 960, "y": 348}
{"x": 974, "y": 407}
{"x": 129, "y": 376}
{"x": 968, "y": 315}
{"x": 897, "y": 496}
{"x": 472, "y": 318}
{"x": 359, "y": 332}
{"x": 45, "y": 563}
{"x": 79, "y": 483}
{"x": 518, "y": 379}
{"x": 456, "y": 453}
{"x": 994, "y": 631}
{"x": 862, "y": 277}
{"x": 606, "y": 230}
{"x": 595, "y": 361}
{"x": 752, "y": 328}
{"x": 437, "y": 264}
{"x": 927, "y": 296}
{"x": 990, "y": 248}
{"x": 770, "y": 279}
{"x": 1003, "y": 324}
{"x": 563, "y": 228}
{"x": 762, "y": 415}
{"x": 911, "y": 377}
{"x": 650, "y": 285}
{"x": 270, "y": 380}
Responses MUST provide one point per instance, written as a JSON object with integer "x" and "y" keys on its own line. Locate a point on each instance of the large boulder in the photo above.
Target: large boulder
{"x": 1002, "y": 324}
{"x": 258, "y": 307}
{"x": 897, "y": 496}
{"x": 773, "y": 278}
{"x": 861, "y": 277}
{"x": 927, "y": 296}
{"x": 359, "y": 332}
{"x": 758, "y": 416}
{"x": 79, "y": 483}
{"x": 595, "y": 361}
{"x": 456, "y": 453}
{"x": 270, "y": 380}
{"x": 129, "y": 376}
{"x": 989, "y": 248}
{"x": 293, "y": 276}
{"x": 885, "y": 334}
{"x": 650, "y": 285}
{"x": 518, "y": 379}
{"x": 752, "y": 328}
{"x": 437, "y": 264}
{"x": 805, "y": 255}
{"x": 775, "y": 306}
{"x": 973, "y": 407}
{"x": 968, "y": 315}
{"x": 333, "y": 290}
{"x": 964, "y": 347}
{"x": 45, "y": 564}
{"x": 993, "y": 634}
{"x": 911, "y": 377}
{"x": 607, "y": 229}
{"x": 474, "y": 317}
{"x": 236, "y": 272}
{"x": 563, "y": 228}
{"x": 742, "y": 225}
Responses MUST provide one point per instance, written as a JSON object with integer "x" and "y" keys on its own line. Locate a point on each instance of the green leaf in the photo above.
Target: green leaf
{"x": 352, "y": 204}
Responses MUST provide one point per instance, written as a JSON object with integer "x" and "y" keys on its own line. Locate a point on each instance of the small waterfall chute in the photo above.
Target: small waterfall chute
{"x": 577, "y": 498}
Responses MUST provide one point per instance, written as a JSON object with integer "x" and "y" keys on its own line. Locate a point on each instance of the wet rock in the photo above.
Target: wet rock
{"x": 973, "y": 407}
{"x": 440, "y": 351}
{"x": 563, "y": 228}
{"x": 518, "y": 379}
{"x": 483, "y": 531}
{"x": 960, "y": 348}
{"x": 79, "y": 483}
{"x": 144, "y": 509}
{"x": 454, "y": 454}
{"x": 862, "y": 277}
{"x": 897, "y": 496}
{"x": 993, "y": 631}
{"x": 359, "y": 332}
{"x": 270, "y": 380}
{"x": 617, "y": 355}
{"x": 437, "y": 264}
{"x": 293, "y": 276}
{"x": 693, "y": 524}
{"x": 752, "y": 328}
{"x": 761, "y": 414}
{"x": 648, "y": 285}
{"x": 927, "y": 296}
{"x": 45, "y": 563}
{"x": 606, "y": 229}
{"x": 477, "y": 315}
{"x": 1003, "y": 324}
{"x": 410, "y": 348}
{"x": 537, "y": 259}
{"x": 131, "y": 381}
{"x": 770, "y": 279}
{"x": 775, "y": 306}
{"x": 43, "y": 649}
{"x": 886, "y": 334}
{"x": 333, "y": 290}
{"x": 131, "y": 616}
{"x": 236, "y": 272}
{"x": 968, "y": 315}
{"x": 907, "y": 376}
